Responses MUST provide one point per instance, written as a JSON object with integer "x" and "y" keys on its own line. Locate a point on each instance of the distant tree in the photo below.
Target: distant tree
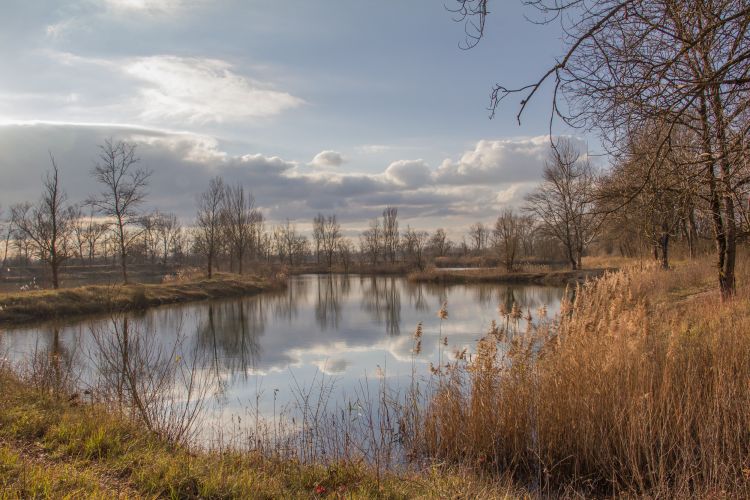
{"x": 6, "y": 229}
{"x": 149, "y": 242}
{"x": 564, "y": 201}
{"x": 390, "y": 233}
{"x": 370, "y": 241}
{"x": 290, "y": 245}
{"x": 331, "y": 238}
{"x": 240, "y": 215}
{"x": 478, "y": 234}
{"x": 507, "y": 237}
{"x": 317, "y": 234}
{"x": 414, "y": 243}
{"x": 168, "y": 233}
{"x": 48, "y": 225}
{"x": 439, "y": 243}
{"x": 345, "y": 251}
{"x": 208, "y": 224}
{"x": 124, "y": 189}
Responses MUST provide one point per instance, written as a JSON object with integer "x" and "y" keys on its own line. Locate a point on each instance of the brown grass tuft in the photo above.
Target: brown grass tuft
{"x": 641, "y": 387}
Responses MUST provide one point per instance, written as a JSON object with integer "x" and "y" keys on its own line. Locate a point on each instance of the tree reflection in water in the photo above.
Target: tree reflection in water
{"x": 332, "y": 290}
{"x": 230, "y": 331}
{"x": 381, "y": 297}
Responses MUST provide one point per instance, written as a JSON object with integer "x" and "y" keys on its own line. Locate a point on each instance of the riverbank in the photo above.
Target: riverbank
{"x": 59, "y": 447}
{"x": 499, "y": 275}
{"x": 38, "y": 305}
{"x": 640, "y": 389}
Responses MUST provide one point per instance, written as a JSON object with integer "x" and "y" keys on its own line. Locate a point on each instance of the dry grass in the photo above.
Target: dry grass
{"x": 642, "y": 387}
{"x": 540, "y": 275}
{"x": 60, "y": 450}
{"x": 47, "y": 304}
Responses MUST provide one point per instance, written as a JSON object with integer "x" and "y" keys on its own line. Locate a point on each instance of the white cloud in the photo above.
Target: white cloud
{"x": 149, "y": 6}
{"x": 497, "y": 161}
{"x": 327, "y": 158}
{"x": 201, "y": 91}
{"x": 409, "y": 173}
{"x": 375, "y": 148}
{"x": 332, "y": 366}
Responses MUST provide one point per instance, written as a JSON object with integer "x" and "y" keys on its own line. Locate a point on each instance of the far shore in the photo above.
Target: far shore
{"x": 500, "y": 275}
{"x": 39, "y": 305}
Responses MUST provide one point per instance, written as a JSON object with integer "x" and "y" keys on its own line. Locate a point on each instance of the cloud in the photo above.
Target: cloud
{"x": 183, "y": 163}
{"x": 375, "y": 148}
{"x": 157, "y": 91}
{"x": 409, "y": 173}
{"x": 202, "y": 91}
{"x": 332, "y": 366}
{"x": 327, "y": 158}
{"x": 146, "y": 6}
{"x": 497, "y": 161}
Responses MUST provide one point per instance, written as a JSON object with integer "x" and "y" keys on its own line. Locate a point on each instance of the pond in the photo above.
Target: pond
{"x": 259, "y": 356}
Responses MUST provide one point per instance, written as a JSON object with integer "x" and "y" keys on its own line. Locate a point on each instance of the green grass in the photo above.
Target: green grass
{"x": 89, "y": 452}
{"x": 50, "y": 304}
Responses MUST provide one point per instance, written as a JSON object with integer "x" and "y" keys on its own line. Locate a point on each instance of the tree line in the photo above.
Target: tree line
{"x": 574, "y": 210}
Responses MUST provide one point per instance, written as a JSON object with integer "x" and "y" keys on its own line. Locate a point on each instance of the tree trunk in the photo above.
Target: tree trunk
{"x": 664, "y": 247}
{"x": 725, "y": 243}
{"x": 55, "y": 280}
{"x": 123, "y": 251}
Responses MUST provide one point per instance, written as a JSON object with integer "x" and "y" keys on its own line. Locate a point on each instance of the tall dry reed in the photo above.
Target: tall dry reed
{"x": 640, "y": 386}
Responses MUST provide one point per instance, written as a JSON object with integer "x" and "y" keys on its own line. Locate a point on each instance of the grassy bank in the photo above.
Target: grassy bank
{"x": 640, "y": 388}
{"x": 499, "y": 275}
{"x": 20, "y": 307}
{"x": 50, "y": 448}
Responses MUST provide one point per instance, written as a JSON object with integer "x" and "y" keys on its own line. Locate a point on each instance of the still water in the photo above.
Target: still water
{"x": 257, "y": 353}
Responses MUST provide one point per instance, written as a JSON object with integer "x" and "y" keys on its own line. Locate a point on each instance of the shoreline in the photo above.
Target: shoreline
{"x": 500, "y": 276}
{"x": 44, "y": 305}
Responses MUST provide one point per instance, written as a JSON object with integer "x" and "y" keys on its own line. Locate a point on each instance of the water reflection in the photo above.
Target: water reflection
{"x": 347, "y": 326}
{"x": 381, "y": 297}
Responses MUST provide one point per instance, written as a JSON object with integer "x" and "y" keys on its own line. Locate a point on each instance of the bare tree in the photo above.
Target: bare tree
{"x": 6, "y": 227}
{"x": 168, "y": 232}
{"x": 370, "y": 241}
{"x": 124, "y": 189}
{"x": 149, "y": 238}
{"x": 478, "y": 234}
{"x": 345, "y": 250}
{"x": 317, "y": 234}
{"x": 390, "y": 233}
{"x": 88, "y": 233}
{"x": 564, "y": 201}
{"x": 625, "y": 63}
{"x": 439, "y": 243}
{"x": 414, "y": 243}
{"x": 656, "y": 209}
{"x": 48, "y": 225}
{"x": 507, "y": 237}
{"x": 209, "y": 222}
{"x": 331, "y": 238}
{"x": 289, "y": 244}
{"x": 239, "y": 215}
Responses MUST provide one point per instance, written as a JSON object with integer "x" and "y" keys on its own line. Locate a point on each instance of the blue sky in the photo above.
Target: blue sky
{"x": 339, "y": 106}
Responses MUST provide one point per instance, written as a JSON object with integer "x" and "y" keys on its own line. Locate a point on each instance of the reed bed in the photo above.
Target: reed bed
{"x": 637, "y": 388}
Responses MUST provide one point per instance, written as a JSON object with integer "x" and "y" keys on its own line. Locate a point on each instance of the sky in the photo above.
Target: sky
{"x": 337, "y": 106}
